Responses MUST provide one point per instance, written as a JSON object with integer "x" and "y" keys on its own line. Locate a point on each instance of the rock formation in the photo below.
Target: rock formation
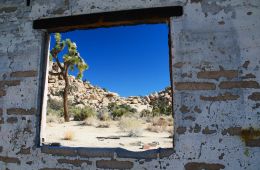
{"x": 85, "y": 94}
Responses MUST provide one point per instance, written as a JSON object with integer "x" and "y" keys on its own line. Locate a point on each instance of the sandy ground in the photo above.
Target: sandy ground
{"x": 86, "y": 136}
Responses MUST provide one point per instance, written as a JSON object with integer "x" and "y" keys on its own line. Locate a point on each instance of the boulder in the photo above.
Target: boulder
{"x": 83, "y": 94}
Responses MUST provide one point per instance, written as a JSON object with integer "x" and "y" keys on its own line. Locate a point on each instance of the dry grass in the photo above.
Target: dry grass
{"x": 160, "y": 124}
{"x": 160, "y": 121}
{"x": 152, "y": 128}
{"x": 69, "y": 135}
{"x": 103, "y": 125}
{"x": 104, "y": 116}
{"x": 91, "y": 121}
{"x": 54, "y": 119}
{"x": 132, "y": 126}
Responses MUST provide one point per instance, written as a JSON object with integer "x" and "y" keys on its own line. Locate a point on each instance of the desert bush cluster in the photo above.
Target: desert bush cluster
{"x": 131, "y": 125}
{"x": 161, "y": 124}
{"x": 118, "y": 111}
{"x": 128, "y": 120}
{"x": 55, "y": 111}
{"x": 161, "y": 107}
{"x": 80, "y": 114}
{"x": 54, "y": 108}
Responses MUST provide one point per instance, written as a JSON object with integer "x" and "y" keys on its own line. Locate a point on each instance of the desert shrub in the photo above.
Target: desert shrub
{"x": 103, "y": 125}
{"x": 130, "y": 125}
{"x": 55, "y": 104}
{"x": 72, "y": 89}
{"x": 57, "y": 93}
{"x": 160, "y": 121}
{"x": 112, "y": 106}
{"x": 170, "y": 120}
{"x": 55, "y": 107}
{"x": 161, "y": 107}
{"x": 104, "y": 114}
{"x": 80, "y": 114}
{"x": 52, "y": 118}
{"x": 58, "y": 113}
{"x": 153, "y": 128}
{"x": 145, "y": 113}
{"x": 120, "y": 110}
{"x": 69, "y": 135}
{"x": 158, "y": 124}
{"x": 90, "y": 121}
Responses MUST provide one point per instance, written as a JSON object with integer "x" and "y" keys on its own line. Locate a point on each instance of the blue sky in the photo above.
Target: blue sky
{"x": 128, "y": 60}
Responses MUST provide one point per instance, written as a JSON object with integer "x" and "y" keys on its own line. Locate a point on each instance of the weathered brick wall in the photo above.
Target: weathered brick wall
{"x": 217, "y": 87}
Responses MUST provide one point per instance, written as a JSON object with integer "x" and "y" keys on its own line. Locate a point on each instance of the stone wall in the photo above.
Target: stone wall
{"x": 215, "y": 49}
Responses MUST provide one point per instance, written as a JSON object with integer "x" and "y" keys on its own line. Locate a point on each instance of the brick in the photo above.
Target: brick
{"x": 25, "y": 151}
{"x": 59, "y": 151}
{"x": 221, "y": 97}
{"x": 232, "y": 131}
{"x": 239, "y": 84}
{"x": 184, "y": 109}
{"x": 30, "y": 73}
{"x": 189, "y": 75}
{"x": 20, "y": 111}
{"x": 230, "y": 74}
{"x": 181, "y": 130}
{"x": 12, "y": 120}
{"x": 254, "y": 96}
{"x": 94, "y": 153}
{"x": 253, "y": 142}
{"x": 248, "y": 76}
{"x": 2, "y": 93}
{"x": 54, "y": 169}
{"x": 197, "y": 109}
{"x": 114, "y": 164}
{"x": 178, "y": 65}
{"x": 1, "y": 120}
{"x": 251, "y": 137}
{"x": 207, "y": 131}
{"x": 194, "y": 86}
{"x": 9, "y": 160}
{"x": 165, "y": 153}
{"x": 190, "y": 118}
{"x": 75, "y": 162}
{"x": 8, "y": 9}
{"x": 197, "y": 128}
{"x": 202, "y": 165}
{"x": 9, "y": 83}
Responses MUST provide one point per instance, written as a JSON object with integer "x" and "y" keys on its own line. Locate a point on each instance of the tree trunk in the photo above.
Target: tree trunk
{"x": 65, "y": 98}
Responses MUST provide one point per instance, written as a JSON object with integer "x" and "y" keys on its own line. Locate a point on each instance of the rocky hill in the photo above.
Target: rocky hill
{"x": 83, "y": 94}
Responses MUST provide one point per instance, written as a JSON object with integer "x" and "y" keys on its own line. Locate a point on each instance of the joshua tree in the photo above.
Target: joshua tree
{"x": 71, "y": 60}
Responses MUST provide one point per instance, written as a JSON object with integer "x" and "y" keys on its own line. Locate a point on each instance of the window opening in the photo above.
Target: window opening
{"x": 124, "y": 98}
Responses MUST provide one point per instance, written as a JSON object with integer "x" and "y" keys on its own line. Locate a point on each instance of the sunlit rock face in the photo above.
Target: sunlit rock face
{"x": 85, "y": 94}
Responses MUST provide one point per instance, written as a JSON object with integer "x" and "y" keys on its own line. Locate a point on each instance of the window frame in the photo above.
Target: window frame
{"x": 91, "y": 21}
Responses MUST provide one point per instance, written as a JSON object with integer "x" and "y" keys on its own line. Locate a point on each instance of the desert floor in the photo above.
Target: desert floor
{"x": 86, "y": 136}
